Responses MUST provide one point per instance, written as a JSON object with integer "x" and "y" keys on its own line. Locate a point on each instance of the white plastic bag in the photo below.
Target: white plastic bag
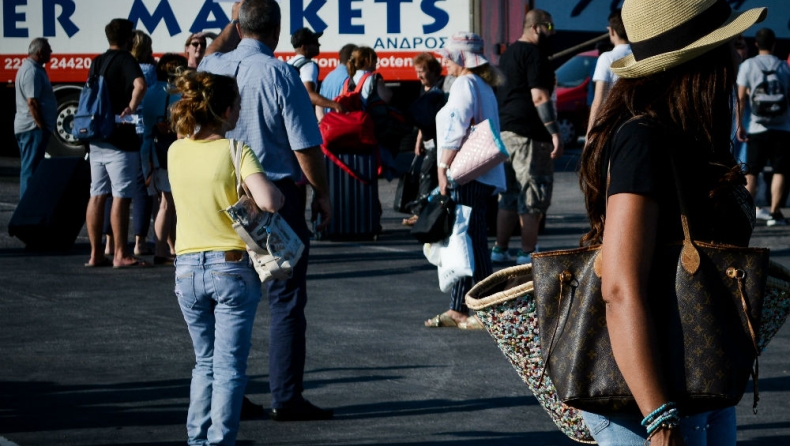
{"x": 453, "y": 256}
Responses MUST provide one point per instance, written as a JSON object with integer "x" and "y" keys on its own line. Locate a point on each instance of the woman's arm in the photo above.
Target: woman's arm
{"x": 629, "y": 244}
{"x": 266, "y": 195}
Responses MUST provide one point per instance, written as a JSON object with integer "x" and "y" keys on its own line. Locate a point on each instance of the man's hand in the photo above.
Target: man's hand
{"x": 559, "y": 146}
{"x": 126, "y": 112}
{"x": 234, "y": 14}
{"x": 323, "y": 207}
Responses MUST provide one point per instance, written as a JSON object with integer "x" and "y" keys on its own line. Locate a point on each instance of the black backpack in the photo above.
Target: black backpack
{"x": 769, "y": 98}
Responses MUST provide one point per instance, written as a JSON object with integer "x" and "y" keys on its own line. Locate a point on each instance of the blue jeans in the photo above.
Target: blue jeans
{"x": 32, "y": 145}
{"x": 218, "y": 299}
{"x": 715, "y": 428}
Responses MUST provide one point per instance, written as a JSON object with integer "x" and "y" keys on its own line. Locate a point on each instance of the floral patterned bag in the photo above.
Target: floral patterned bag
{"x": 504, "y": 302}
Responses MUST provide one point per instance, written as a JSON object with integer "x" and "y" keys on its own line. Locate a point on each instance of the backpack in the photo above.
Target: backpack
{"x": 769, "y": 98}
{"x": 298, "y": 65}
{"x": 94, "y": 120}
{"x": 353, "y": 131}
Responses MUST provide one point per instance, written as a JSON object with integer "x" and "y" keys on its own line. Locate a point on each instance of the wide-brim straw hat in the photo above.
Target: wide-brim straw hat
{"x": 465, "y": 49}
{"x": 667, "y": 33}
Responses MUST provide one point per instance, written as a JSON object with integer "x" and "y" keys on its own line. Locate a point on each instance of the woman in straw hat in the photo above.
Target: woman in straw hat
{"x": 471, "y": 101}
{"x": 672, "y": 105}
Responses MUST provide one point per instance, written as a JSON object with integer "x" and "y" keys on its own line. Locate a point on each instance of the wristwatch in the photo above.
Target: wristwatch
{"x": 442, "y": 165}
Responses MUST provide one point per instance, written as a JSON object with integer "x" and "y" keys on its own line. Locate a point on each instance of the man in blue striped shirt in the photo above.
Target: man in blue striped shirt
{"x": 278, "y": 122}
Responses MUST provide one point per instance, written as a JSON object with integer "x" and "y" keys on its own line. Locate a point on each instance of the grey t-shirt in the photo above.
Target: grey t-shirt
{"x": 750, "y": 74}
{"x": 32, "y": 82}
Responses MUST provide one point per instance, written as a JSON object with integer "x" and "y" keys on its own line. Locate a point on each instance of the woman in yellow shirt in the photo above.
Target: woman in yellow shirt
{"x": 217, "y": 288}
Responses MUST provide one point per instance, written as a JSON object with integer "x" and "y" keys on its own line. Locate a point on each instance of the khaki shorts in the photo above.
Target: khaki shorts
{"x": 529, "y": 172}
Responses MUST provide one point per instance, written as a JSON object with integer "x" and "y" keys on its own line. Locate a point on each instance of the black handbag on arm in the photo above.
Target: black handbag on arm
{"x": 705, "y": 300}
{"x": 436, "y": 220}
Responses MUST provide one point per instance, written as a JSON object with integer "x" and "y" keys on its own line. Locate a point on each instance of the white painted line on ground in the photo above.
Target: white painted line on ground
{"x": 6, "y": 442}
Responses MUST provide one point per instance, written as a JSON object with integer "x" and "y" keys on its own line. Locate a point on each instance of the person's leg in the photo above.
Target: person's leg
{"x": 536, "y": 177}
{"x": 119, "y": 219}
{"x": 236, "y": 288}
{"x": 287, "y": 300}
{"x": 122, "y": 169}
{"x": 615, "y": 430}
{"x": 94, "y": 215}
{"x": 107, "y": 228}
{"x": 31, "y": 151}
{"x": 142, "y": 207}
{"x": 530, "y": 223}
{"x": 780, "y": 161}
{"x": 507, "y": 217}
{"x": 164, "y": 220}
{"x": 198, "y": 311}
{"x": 473, "y": 194}
{"x": 756, "y": 158}
{"x": 777, "y": 192}
{"x": 720, "y": 428}
{"x": 94, "y": 221}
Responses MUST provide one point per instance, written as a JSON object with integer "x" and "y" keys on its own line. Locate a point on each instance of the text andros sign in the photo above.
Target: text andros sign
{"x": 396, "y": 29}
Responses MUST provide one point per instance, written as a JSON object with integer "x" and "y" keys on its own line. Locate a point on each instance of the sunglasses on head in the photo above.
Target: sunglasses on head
{"x": 549, "y": 26}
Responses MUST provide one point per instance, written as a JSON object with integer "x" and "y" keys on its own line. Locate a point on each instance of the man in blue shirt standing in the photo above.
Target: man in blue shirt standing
{"x": 36, "y": 110}
{"x": 333, "y": 82}
{"x": 278, "y": 122}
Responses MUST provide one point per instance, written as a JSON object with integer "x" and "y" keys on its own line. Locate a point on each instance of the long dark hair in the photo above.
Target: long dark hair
{"x": 694, "y": 99}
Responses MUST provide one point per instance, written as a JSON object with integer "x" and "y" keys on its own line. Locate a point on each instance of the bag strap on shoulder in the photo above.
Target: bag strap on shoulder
{"x": 104, "y": 65}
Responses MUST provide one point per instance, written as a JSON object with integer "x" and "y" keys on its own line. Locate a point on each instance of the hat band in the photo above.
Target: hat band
{"x": 685, "y": 34}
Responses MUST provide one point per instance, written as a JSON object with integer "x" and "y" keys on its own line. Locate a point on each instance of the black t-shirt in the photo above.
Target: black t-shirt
{"x": 524, "y": 69}
{"x": 119, "y": 76}
{"x": 641, "y": 163}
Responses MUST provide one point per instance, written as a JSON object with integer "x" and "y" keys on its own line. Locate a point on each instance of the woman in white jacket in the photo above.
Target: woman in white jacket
{"x": 471, "y": 102}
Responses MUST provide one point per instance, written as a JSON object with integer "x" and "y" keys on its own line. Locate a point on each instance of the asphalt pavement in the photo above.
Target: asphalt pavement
{"x": 103, "y": 357}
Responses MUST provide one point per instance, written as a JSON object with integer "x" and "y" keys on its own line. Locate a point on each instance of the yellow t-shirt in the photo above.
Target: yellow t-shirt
{"x": 203, "y": 182}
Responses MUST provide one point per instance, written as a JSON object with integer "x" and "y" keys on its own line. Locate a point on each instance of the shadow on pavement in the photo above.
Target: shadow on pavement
{"x": 41, "y": 406}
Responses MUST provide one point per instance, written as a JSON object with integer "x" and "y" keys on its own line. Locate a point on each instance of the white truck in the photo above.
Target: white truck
{"x": 396, "y": 29}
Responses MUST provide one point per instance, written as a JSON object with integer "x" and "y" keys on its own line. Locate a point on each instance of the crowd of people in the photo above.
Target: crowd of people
{"x": 235, "y": 89}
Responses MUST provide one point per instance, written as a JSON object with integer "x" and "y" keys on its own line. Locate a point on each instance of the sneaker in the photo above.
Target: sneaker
{"x": 777, "y": 219}
{"x": 763, "y": 214}
{"x": 499, "y": 255}
{"x": 522, "y": 258}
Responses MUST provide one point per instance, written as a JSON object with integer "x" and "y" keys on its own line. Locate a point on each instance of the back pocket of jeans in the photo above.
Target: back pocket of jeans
{"x": 185, "y": 289}
{"x": 230, "y": 289}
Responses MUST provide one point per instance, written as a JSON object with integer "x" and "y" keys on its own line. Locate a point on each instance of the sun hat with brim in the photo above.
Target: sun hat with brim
{"x": 667, "y": 33}
{"x": 465, "y": 49}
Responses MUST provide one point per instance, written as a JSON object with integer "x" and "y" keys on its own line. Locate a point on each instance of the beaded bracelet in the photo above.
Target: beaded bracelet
{"x": 648, "y": 419}
{"x": 669, "y": 417}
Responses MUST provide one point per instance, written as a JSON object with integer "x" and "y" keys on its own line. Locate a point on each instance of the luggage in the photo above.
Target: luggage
{"x": 52, "y": 212}
{"x": 356, "y": 210}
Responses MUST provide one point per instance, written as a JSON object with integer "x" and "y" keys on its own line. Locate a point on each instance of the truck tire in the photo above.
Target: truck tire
{"x": 62, "y": 143}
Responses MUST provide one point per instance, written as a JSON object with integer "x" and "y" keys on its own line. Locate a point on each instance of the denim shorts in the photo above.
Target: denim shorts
{"x": 113, "y": 171}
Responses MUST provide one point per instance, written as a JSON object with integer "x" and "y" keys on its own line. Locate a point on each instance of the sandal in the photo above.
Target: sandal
{"x": 441, "y": 320}
{"x": 471, "y": 323}
{"x": 410, "y": 221}
{"x": 101, "y": 263}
